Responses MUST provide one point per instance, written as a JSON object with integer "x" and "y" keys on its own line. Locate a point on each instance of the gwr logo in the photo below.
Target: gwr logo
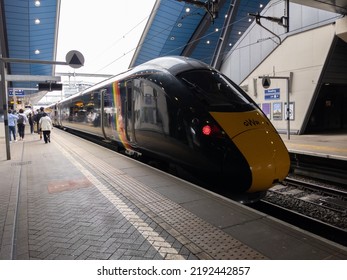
{"x": 251, "y": 122}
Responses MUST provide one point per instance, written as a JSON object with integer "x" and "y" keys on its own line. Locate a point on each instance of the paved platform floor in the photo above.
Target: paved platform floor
{"x": 71, "y": 199}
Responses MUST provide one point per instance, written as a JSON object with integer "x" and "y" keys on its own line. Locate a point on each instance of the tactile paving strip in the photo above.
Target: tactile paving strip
{"x": 179, "y": 215}
{"x": 205, "y": 238}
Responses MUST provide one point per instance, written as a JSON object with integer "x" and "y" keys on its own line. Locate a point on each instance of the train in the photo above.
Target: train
{"x": 181, "y": 111}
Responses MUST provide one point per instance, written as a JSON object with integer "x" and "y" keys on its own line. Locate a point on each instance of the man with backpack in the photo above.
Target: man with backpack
{"x": 37, "y": 118}
{"x": 22, "y": 120}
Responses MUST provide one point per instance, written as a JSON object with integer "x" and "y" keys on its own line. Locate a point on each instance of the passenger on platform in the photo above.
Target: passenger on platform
{"x": 37, "y": 120}
{"x": 12, "y": 119}
{"x": 31, "y": 123}
{"x": 46, "y": 127}
{"x": 21, "y": 122}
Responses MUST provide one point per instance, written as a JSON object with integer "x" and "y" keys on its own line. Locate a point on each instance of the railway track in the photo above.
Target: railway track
{"x": 310, "y": 224}
{"x": 324, "y": 195}
{"x": 322, "y": 168}
{"x": 318, "y": 207}
{"x": 313, "y": 197}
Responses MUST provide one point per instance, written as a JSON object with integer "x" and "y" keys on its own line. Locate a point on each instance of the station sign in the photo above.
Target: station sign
{"x": 50, "y": 86}
{"x": 75, "y": 59}
{"x": 17, "y": 92}
{"x": 266, "y": 82}
{"x": 272, "y": 94}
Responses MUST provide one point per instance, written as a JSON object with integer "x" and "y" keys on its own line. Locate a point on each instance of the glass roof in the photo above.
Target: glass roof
{"x": 172, "y": 30}
{"x": 31, "y": 34}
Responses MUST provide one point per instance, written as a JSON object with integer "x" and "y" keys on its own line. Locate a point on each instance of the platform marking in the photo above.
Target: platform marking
{"x": 163, "y": 248}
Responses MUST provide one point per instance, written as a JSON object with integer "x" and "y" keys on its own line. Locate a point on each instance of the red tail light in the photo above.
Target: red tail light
{"x": 207, "y": 130}
{"x": 212, "y": 130}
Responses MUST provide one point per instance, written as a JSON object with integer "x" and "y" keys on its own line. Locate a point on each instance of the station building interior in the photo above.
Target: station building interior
{"x": 280, "y": 52}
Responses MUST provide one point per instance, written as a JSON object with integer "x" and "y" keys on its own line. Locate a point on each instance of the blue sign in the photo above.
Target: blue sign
{"x": 272, "y": 94}
{"x": 18, "y": 92}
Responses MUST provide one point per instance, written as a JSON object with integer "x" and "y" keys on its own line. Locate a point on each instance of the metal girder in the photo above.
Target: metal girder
{"x": 85, "y": 75}
{"x": 223, "y": 40}
{"x": 31, "y": 78}
{"x": 199, "y": 32}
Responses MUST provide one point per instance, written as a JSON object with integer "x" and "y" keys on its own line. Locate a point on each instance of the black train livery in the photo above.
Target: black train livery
{"x": 180, "y": 110}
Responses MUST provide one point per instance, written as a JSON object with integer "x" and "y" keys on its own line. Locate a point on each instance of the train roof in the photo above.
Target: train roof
{"x": 174, "y": 64}
{"x": 171, "y": 64}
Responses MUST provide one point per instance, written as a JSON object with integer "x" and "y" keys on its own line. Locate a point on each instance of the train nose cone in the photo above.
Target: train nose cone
{"x": 266, "y": 155}
{"x": 259, "y": 143}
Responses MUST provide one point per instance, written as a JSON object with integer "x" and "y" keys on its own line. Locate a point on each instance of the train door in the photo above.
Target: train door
{"x": 103, "y": 116}
{"x": 129, "y": 122}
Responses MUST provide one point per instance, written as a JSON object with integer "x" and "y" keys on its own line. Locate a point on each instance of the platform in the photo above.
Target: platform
{"x": 321, "y": 145}
{"x": 77, "y": 200}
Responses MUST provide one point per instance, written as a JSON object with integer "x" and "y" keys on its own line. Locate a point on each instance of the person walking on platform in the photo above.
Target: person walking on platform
{"x": 31, "y": 123}
{"x": 12, "y": 119}
{"x": 46, "y": 127}
{"x": 21, "y": 122}
{"x": 37, "y": 118}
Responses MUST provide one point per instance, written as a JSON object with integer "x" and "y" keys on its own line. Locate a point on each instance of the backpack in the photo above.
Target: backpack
{"x": 20, "y": 119}
{"x": 38, "y": 116}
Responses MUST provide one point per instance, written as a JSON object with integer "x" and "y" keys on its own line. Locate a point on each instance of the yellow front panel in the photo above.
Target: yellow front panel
{"x": 266, "y": 155}
{"x": 260, "y": 144}
{"x": 234, "y": 123}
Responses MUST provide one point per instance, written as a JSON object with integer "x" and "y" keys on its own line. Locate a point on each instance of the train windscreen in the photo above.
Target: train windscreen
{"x": 216, "y": 91}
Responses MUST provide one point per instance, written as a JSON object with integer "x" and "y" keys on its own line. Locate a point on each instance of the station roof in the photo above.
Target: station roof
{"x": 183, "y": 28}
{"x": 28, "y": 30}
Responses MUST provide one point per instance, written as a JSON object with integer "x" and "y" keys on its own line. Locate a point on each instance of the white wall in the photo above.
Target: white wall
{"x": 303, "y": 52}
{"x": 257, "y": 43}
{"x": 304, "y": 55}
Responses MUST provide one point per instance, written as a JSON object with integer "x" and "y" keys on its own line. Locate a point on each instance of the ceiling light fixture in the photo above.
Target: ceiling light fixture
{"x": 37, "y": 21}
{"x": 37, "y": 51}
{"x": 37, "y": 3}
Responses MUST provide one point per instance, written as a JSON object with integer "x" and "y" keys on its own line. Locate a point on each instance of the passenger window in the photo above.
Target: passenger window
{"x": 151, "y": 107}
{"x": 215, "y": 90}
